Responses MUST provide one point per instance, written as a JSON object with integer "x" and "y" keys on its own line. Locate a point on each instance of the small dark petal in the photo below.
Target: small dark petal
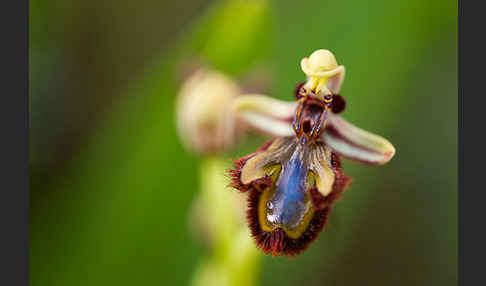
{"x": 297, "y": 90}
{"x": 338, "y": 104}
{"x": 327, "y": 97}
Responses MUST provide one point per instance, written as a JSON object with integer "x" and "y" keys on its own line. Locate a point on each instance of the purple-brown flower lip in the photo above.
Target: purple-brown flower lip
{"x": 292, "y": 175}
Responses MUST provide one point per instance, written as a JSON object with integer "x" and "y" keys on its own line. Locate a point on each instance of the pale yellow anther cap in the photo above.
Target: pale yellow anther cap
{"x": 321, "y": 63}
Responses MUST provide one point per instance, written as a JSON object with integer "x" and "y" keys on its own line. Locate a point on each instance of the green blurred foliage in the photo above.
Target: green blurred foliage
{"x": 117, "y": 211}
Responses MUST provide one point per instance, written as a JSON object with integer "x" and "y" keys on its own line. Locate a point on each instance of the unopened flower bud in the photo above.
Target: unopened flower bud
{"x": 204, "y": 117}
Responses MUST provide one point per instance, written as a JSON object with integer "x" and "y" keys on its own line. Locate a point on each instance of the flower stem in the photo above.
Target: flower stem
{"x": 232, "y": 258}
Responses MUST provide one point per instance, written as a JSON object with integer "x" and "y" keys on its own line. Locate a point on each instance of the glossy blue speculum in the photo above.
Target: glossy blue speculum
{"x": 288, "y": 205}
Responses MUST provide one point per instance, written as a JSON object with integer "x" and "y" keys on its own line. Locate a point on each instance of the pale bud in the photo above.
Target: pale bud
{"x": 204, "y": 117}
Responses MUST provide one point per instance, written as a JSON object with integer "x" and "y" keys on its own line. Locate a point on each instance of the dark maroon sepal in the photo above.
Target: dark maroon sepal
{"x": 338, "y": 104}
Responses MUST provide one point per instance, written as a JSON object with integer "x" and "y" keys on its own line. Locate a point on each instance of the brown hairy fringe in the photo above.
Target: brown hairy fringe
{"x": 235, "y": 174}
{"x": 277, "y": 242}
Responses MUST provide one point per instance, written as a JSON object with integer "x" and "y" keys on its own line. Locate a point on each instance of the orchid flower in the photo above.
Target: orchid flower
{"x": 295, "y": 177}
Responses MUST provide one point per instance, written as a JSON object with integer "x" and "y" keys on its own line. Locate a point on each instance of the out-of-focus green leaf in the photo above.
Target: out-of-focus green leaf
{"x": 120, "y": 215}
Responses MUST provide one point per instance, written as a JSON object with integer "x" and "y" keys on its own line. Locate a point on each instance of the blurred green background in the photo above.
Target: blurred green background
{"x": 111, "y": 185}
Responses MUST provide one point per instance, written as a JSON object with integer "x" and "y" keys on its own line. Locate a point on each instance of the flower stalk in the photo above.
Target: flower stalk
{"x": 232, "y": 258}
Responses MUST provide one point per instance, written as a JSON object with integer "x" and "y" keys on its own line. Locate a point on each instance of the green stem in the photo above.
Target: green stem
{"x": 232, "y": 258}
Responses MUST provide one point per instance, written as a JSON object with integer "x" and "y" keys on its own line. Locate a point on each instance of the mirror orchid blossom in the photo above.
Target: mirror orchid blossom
{"x": 294, "y": 178}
